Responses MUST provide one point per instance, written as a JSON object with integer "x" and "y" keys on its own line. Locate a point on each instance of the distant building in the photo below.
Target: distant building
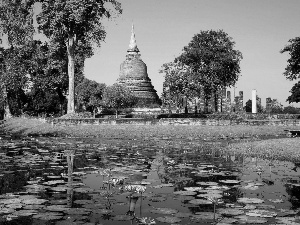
{"x": 133, "y": 74}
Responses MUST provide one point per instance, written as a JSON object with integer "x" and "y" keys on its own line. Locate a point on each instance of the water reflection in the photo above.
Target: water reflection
{"x": 119, "y": 183}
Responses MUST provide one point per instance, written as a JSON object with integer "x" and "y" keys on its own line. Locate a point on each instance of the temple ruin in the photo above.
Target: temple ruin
{"x": 133, "y": 74}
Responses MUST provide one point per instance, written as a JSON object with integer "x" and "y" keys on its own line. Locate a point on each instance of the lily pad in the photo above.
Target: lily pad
{"x": 205, "y": 216}
{"x": 230, "y": 181}
{"x": 230, "y": 212}
{"x": 25, "y": 212}
{"x": 251, "y": 219}
{"x": 250, "y": 200}
{"x": 34, "y": 201}
{"x": 207, "y": 183}
{"x": 193, "y": 188}
{"x": 184, "y": 193}
{"x": 200, "y": 202}
{"x": 122, "y": 217}
{"x": 261, "y": 213}
{"x": 164, "y": 211}
{"x": 48, "y": 216}
{"x": 168, "y": 219}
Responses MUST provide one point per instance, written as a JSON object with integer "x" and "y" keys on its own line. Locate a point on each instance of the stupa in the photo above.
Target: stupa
{"x": 133, "y": 74}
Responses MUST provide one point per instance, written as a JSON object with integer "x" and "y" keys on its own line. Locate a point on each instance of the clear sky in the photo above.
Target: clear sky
{"x": 260, "y": 29}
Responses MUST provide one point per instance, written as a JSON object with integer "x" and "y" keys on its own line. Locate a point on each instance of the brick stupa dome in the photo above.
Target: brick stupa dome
{"x": 133, "y": 74}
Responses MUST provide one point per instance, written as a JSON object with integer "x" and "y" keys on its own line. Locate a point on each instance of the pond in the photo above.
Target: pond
{"x": 159, "y": 180}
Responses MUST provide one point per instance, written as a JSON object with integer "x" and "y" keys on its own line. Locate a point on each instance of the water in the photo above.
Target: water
{"x": 186, "y": 182}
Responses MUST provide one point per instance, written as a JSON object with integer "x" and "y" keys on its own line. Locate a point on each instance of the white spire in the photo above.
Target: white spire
{"x": 132, "y": 45}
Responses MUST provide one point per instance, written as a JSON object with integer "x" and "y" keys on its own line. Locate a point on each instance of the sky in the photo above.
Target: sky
{"x": 259, "y": 28}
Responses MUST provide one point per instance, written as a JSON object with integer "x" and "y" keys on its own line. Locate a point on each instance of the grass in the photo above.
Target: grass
{"x": 269, "y": 144}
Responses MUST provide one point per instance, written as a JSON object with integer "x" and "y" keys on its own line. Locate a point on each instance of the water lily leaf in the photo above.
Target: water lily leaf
{"x": 207, "y": 183}
{"x": 193, "y": 188}
{"x": 122, "y": 217}
{"x": 168, "y": 219}
{"x": 250, "y": 200}
{"x": 276, "y": 200}
{"x": 210, "y": 195}
{"x": 82, "y": 202}
{"x": 77, "y": 211}
{"x": 10, "y": 201}
{"x": 33, "y": 206}
{"x": 6, "y": 210}
{"x": 14, "y": 206}
{"x": 261, "y": 213}
{"x": 230, "y": 181}
{"x": 164, "y": 210}
{"x": 230, "y": 212}
{"x": 54, "y": 182}
{"x": 48, "y": 216}
{"x": 57, "y": 208}
{"x": 251, "y": 220}
{"x": 205, "y": 216}
{"x": 200, "y": 202}
{"x": 28, "y": 212}
{"x": 34, "y": 201}
{"x": 184, "y": 193}
{"x": 183, "y": 215}
{"x": 102, "y": 211}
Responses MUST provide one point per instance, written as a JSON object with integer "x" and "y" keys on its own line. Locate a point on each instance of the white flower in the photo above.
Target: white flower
{"x": 146, "y": 221}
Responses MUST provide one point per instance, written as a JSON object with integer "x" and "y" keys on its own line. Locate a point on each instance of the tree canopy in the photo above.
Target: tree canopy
{"x": 118, "y": 97}
{"x": 75, "y": 23}
{"x": 89, "y": 94}
{"x": 292, "y": 70}
{"x": 212, "y": 64}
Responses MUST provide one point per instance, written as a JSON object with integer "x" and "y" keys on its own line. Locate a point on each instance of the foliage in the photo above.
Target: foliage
{"x": 292, "y": 70}
{"x": 89, "y": 94}
{"x": 291, "y": 110}
{"x": 118, "y": 97}
{"x": 75, "y": 23}
{"x": 274, "y": 107}
{"x": 43, "y": 102}
{"x": 295, "y": 93}
{"x": 212, "y": 61}
{"x": 259, "y": 107}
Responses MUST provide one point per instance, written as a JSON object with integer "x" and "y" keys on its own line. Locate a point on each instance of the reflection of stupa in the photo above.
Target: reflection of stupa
{"x": 133, "y": 74}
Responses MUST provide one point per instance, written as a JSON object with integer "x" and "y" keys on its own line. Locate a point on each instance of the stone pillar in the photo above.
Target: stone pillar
{"x": 228, "y": 102}
{"x": 254, "y": 108}
{"x": 268, "y": 105}
{"x": 241, "y": 101}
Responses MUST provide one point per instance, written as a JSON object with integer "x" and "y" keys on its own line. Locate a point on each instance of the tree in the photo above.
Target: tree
{"x": 292, "y": 70}
{"x": 295, "y": 93}
{"x": 75, "y": 22}
{"x": 291, "y": 110}
{"x": 248, "y": 106}
{"x": 274, "y": 107}
{"x": 16, "y": 25}
{"x": 89, "y": 94}
{"x": 213, "y": 61}
{"x": 118, "y": 97}
{"x": 177, "y": 84}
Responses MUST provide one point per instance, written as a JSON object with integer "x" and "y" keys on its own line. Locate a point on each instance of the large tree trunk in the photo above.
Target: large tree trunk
{"x": 7, "y": 113}
{"x": 71, "y": 68}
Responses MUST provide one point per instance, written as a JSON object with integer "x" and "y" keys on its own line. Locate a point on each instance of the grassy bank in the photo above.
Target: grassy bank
{"x": 264, "y": 141}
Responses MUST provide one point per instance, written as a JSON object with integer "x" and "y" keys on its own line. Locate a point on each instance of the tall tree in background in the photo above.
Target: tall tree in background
{"x": 178, "y": 85}
{"x": 118, "y": 97}
{"x": 17, "y": 26}
{"x": 89, "y": 94}
{"x": 292, "y": 70}
{"x": 75, "y": 22}
{"x": 214, "y": 62}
